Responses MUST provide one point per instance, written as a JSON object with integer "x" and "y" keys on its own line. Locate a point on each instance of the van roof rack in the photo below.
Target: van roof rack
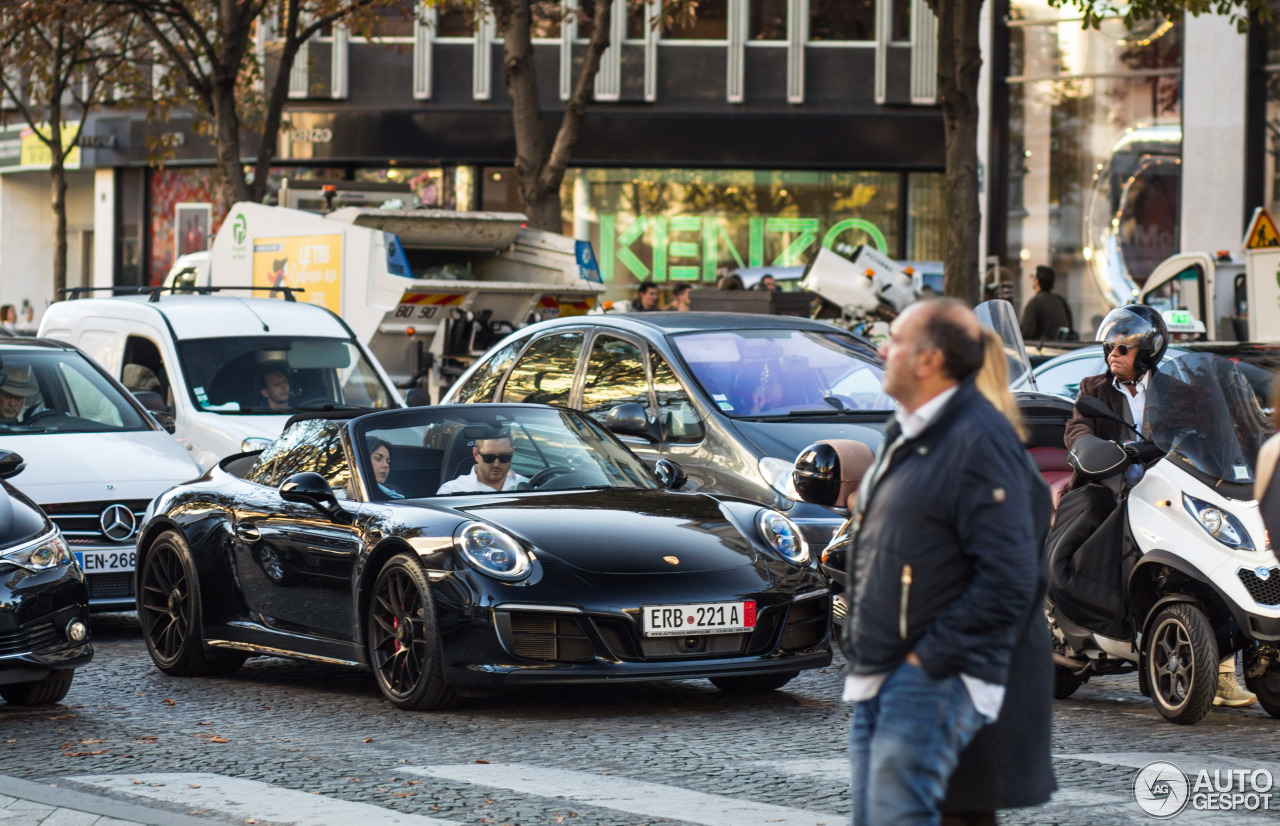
{"x": 73, "y": 293}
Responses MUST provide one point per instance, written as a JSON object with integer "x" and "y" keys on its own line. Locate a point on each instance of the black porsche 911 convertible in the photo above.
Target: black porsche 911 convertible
{"x": 559, "y": 557}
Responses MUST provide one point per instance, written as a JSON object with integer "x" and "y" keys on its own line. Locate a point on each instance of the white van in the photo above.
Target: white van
{"x": 224, "y": 372}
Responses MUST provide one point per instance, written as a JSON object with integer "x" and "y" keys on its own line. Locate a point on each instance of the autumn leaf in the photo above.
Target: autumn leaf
{"x": 146, "y": 739}
{"x": 482, "y": 760}
{"x": 65, "y": 745}
{"x": 367, "y": 740}
{"x": 89, "y": 742}
{"x": 85, "y": 753}
{"x": 219, "y": 740}
{"x": 411, "y": 783}
{"x": 193, "y": 786}
{"x": 405, "y": 794}
{"x": 169, "y": 702}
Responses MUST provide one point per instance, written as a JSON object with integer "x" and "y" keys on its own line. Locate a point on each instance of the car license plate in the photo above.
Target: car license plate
{"x": 704, "y": 618}
{"x": 93, "y": 562}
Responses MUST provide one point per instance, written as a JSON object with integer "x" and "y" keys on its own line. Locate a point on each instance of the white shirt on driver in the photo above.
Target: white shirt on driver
{"x": 470, "y": 483}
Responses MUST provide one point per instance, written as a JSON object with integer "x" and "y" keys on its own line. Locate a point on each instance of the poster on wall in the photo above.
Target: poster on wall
{"x": 309, "y": 262}
{"x": 191, "y": 224}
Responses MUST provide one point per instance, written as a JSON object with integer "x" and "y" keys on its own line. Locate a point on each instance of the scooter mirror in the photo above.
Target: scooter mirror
{"x": 1095, "y": 408}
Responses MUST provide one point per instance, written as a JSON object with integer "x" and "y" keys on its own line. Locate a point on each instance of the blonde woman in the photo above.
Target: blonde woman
{"x": 992, "y": 381}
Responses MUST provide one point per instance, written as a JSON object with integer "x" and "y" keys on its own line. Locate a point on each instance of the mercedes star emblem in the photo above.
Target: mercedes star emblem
{"x": 118, "y": 523}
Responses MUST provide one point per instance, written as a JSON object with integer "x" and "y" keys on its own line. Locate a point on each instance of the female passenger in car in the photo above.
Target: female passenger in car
{"x": 380, "y": 460}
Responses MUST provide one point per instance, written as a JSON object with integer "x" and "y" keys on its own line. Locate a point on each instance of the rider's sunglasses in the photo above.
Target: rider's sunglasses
{"x": 490, "y": 458}
{"x": 1122, "y": 349}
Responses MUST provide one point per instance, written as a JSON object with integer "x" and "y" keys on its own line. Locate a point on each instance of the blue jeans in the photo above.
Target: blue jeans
{"x": 903, "y": 745}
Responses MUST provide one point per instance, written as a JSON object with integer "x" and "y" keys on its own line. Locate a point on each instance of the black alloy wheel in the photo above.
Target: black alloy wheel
{"x": 758, "y": 684}
{"x": 46, "y": 691}
{"x": 403, "y": 639}
{"x": 1267, "y": 686}
{"x": 1182, "y": 663}
{"x": 169, "y": 610}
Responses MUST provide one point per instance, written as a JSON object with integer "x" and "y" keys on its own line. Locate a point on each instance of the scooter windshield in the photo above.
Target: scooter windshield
{"x": 1204, "y": 414}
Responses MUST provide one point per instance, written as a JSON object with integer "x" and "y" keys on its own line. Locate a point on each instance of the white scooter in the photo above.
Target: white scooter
{"x": 1194, "y": 574}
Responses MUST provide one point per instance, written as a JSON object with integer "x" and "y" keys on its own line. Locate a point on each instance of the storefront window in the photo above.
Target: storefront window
{"x": 711, "y": 23}
{"x": 768, "y": 20}
{"x": 1272, "y": 149}
{"x": 1094, "y": 148}
{"x": 455, "y": 18}
{"x": 395, "y": 20}
{"x": 694, "y": 225}
{"x": 636, "y": 25}
{"x": 901, "y": 32}
{"x": 175, "y": 192}
{"x": 842, "y": 20}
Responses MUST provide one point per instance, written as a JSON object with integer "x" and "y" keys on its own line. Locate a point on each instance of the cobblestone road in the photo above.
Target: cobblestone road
{"x": 287, "y": 742}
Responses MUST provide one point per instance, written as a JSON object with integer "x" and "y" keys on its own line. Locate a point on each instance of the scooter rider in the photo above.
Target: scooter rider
{"x": 1134, "y": 339}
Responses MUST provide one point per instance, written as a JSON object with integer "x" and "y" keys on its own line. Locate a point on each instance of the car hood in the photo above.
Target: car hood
{"x": 624, "y": 531}
{"x": 72, "y": 467}
{"x": 786, "y": 439}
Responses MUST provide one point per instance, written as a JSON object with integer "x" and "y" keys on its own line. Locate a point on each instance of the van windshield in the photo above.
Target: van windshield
{"x": 280, "y": 375}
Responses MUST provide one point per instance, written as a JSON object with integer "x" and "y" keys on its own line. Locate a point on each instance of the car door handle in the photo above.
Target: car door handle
{"x": 248, "y": 533}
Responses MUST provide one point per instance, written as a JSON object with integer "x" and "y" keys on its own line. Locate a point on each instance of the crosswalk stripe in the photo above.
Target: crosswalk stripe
{"x": 625, "y": 795}
{"x": 243, "y": 798}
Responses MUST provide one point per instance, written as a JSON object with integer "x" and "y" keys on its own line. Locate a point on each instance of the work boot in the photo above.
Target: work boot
{"x": 1232, "y": 694}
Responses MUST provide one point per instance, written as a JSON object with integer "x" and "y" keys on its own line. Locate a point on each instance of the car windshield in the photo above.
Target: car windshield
{"x": 1206, "y": 414}
{"x": 280, "y": 375}
{"x": 472, "y": 449}
{"x": 60, "y": 392}
{"x": 781, "y": 372}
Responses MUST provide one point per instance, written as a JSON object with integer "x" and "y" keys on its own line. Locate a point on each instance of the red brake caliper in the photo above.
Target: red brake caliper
{"x": 395, "y": 623}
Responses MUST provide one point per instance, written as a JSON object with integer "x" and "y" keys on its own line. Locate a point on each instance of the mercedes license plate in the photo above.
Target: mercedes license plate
{"x": 704, "y": 618}
{"x": 93, "y": 562}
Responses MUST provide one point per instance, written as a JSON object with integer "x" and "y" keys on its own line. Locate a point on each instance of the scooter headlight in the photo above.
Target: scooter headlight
{"x": 1221, "y": 525}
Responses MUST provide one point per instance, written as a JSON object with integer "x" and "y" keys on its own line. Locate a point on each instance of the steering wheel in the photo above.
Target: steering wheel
{"x": 39, "y": 414}
{"x": 540, "y": 478}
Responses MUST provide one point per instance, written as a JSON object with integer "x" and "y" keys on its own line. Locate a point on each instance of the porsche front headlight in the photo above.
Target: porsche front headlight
{"x": 492, "y": 551}
{"x": 48, "y": 551}
{"x": 782, "y": 535}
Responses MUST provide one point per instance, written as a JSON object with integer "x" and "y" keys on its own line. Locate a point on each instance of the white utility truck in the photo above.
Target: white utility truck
{"x": 1237, "y": 297}
{"x": 426, "y": 290}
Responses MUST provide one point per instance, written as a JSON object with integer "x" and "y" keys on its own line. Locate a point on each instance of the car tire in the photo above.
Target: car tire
{"x": 50, "y": 689}
{"x": 1182, "y": 663}
{"x": 1066, "y": 681}
{"x": 170, "y": 615}
{"x": 761, "y": 684}
{"x": 403, "y": 638}
{"x": 1267, "y": 688}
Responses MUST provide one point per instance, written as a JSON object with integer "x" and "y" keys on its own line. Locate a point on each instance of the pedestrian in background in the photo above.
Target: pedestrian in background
{"x": 945, "y": 565}
{"x": 646, "y": 297}
{"x": 8, "y": 320}
{"x": 1047, "y": 316}
{"x": 730, "y": 282}
{"x": 681, "y": 300}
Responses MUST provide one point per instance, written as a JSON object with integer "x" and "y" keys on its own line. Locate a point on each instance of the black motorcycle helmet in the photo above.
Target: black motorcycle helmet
{"x": 1138, "y": 326}
{"x": 817, "y": 474}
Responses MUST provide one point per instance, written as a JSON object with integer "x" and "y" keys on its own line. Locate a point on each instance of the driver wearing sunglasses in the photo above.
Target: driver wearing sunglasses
{"x": 492, "y": 471}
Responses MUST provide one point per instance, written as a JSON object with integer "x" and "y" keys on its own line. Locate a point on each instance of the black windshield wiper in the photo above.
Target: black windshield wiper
{"x": 810, "y": 412}
{"x": 331, "y": 406}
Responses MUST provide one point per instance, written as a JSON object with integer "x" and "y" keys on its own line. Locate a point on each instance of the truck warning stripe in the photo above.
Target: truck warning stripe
{"x": 433, "y": 300}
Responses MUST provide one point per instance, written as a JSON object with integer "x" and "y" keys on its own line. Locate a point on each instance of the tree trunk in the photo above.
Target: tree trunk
{"x": 959, "y": 65}
{"x": 58, "y": 185}
{"x": 230, "y": 166}
{"x": 540, "y": 166}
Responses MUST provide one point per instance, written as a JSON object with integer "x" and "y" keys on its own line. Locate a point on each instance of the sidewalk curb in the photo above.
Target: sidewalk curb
{"x": 65, "y": 798}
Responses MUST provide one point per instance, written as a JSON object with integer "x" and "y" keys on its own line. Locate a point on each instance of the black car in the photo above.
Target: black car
{"x": 44, "y": 603}
{"x": 731, "y": 397}
{"x": 584, "y": 568}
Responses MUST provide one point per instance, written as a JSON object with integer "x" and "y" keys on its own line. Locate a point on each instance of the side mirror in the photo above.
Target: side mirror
{"x": 629, "y": 419}
{"x": 1096, "y": 408}
{"x": 310, "y": 488}
{"x": 11, "y": 464}
{"x": 154, "y": 404}
{"x": 816, "y": 475}
{"x": 670, "y": 474}
{"x": 418, "y": 397}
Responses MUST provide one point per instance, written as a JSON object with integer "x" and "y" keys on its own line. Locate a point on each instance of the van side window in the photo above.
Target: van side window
{"x": 544, "y": 373}
{"x": 143, "y": 368}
